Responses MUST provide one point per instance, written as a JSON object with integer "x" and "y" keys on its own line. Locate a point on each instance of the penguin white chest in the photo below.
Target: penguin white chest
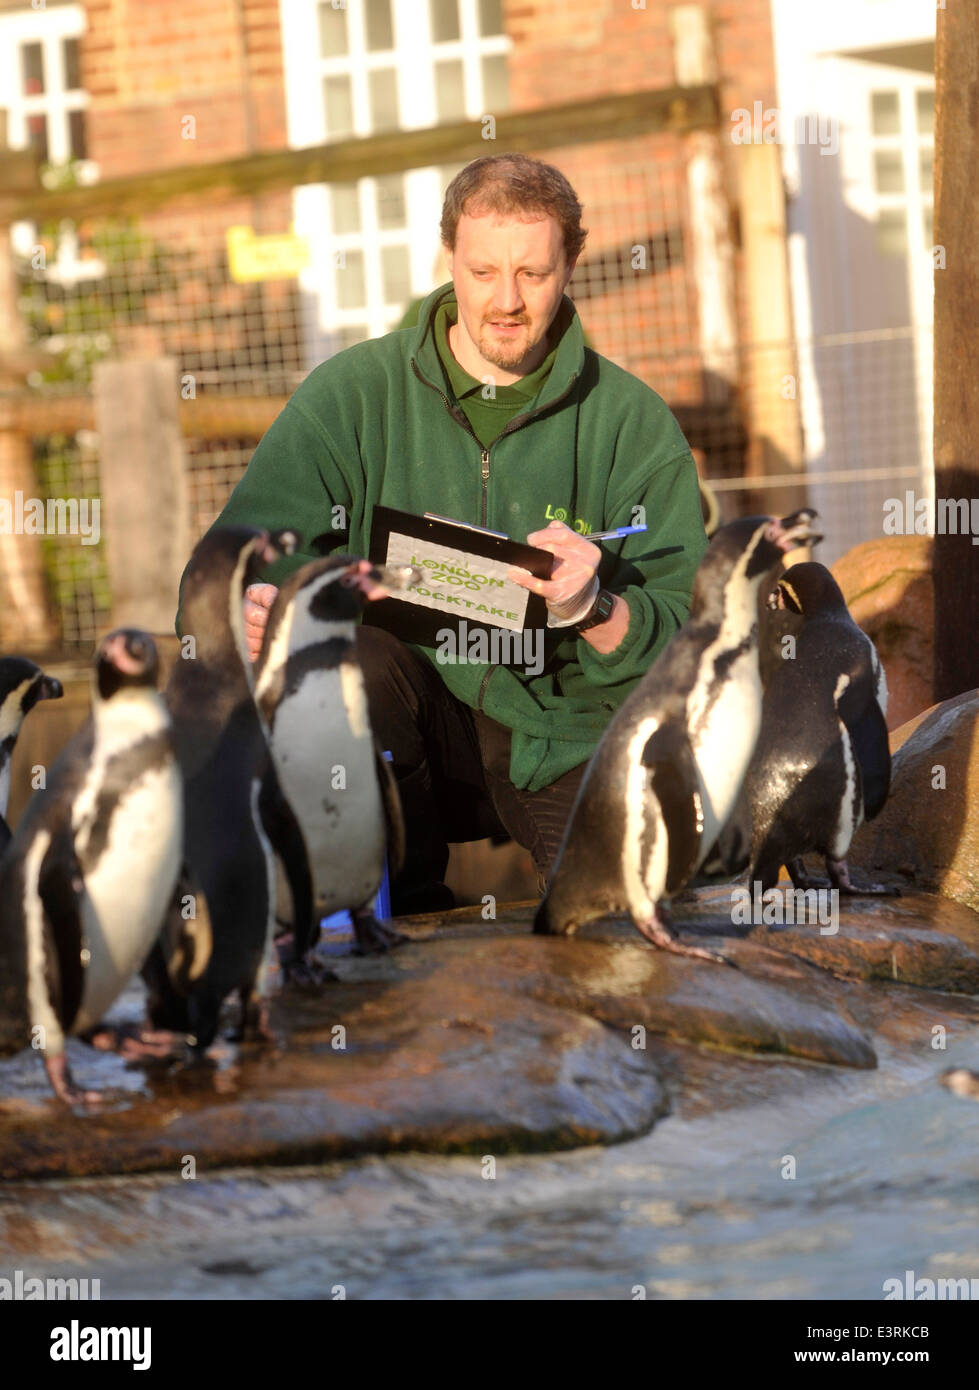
{"x": 324, "y": 755}
{"x": 724, "y": 717}
{"x": 130, "y": 867}
{"x": 4, "y": 783}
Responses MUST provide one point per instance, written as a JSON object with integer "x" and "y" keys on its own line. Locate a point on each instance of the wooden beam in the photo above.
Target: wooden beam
{"x": 677, "y": 109}
{"x": 205, "y": 417}
{"x": 956, "y": 559}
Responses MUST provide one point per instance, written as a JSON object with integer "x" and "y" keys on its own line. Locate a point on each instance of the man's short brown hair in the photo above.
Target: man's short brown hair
{"x": 513, "y": 183}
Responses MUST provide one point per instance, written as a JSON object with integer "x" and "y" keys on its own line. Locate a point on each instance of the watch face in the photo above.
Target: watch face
{"x": 601, "y": 611}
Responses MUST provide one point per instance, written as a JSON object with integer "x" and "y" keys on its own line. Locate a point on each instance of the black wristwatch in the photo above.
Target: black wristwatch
{"x": 600, "y": 611}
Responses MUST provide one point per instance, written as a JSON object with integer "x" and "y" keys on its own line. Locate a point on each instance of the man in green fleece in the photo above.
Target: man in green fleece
{"x": 492, "y": 411}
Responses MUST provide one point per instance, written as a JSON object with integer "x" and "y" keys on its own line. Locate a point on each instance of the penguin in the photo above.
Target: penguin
{"x": 87, "y": 878}
{"x": 822, "y": 764}
{"x": 22, "y": 684}
{"x": 219, "y": 934}
{"x": 310, "y": 690}
{"x": 666, "y": 775}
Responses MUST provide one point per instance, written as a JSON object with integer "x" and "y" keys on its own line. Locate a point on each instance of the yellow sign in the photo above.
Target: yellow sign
{"x": 278, "y": 257}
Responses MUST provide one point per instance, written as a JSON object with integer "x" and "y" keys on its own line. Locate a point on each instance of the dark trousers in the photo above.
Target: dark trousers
{"x": 452, "y": 768}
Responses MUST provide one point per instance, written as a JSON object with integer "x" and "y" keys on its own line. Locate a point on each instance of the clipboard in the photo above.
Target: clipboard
{"x": 463, "y": 570}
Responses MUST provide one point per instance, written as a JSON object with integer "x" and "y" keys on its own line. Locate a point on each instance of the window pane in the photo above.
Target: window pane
{"x": 380, "y": 31}
{"x": 490, "y": 17}
{"x": 338, "y": 104}
{"x": 391, "y": 201}
{"x": 892, "y": 235}
{"x": 78, "y": 145}
{"x": 383, "y": 88}
{"x": 928, "y": 218}
{"x": 396, "y": 274}
{"x": 445, "y": 20}
{"x": 925, "y": 103}
{"x": 37, "y": 135}
{"x": 32, "y": 68}
{"x": 888, "y": 171}
{"x": 72, "y": 73}
{"x": 351, "y": 291}
{"x": 496, "y": 83}
{"x": 450, "y": 92}
{"x": 885, "y": 113}
{"x": 926, "y": 169}
{"x": 333, "y": 32}
{"x": 346, "y": 208}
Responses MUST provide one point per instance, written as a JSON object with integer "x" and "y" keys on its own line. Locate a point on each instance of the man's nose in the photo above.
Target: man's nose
{"x": 508, "y": 297}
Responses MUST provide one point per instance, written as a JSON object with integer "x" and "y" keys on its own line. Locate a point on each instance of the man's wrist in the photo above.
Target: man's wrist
{"x": 599, "y": 612}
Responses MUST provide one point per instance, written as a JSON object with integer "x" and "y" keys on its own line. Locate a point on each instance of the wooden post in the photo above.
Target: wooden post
{"x": 712, "y": 258}
{"x": 143, "y": 489}
{"x": 771, "y": 371}
{"x": 26, "y": 621}
{"x": 956, "y": 558}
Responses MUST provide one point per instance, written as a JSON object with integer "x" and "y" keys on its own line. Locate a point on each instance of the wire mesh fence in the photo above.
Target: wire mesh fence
{"x": 844, "y": 417}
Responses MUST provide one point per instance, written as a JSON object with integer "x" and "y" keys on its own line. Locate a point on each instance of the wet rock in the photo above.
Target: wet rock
{"x": 887, "y": 584}
{"x": 929, "y": 830}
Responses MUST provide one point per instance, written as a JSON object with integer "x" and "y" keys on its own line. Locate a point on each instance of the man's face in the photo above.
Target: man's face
{"x": 509, "y": 276}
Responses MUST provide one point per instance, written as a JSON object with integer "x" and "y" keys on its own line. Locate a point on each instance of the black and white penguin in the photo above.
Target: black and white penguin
{"x": 218, "y": 936}
{"x": 822, "y": 763}
{"x": 310, "y": 690}
{"x": 87, "y": 878}
{"x": 667, "y": 773}
{"x": 22, "y": 684}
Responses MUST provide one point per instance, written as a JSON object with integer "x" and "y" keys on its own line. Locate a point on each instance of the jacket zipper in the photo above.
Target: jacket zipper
{"x": 484, "y": 454}
{"x": 484, "y": 460}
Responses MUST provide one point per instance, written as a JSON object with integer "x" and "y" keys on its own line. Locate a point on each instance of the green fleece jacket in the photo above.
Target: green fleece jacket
{"x": 374, "y": 424}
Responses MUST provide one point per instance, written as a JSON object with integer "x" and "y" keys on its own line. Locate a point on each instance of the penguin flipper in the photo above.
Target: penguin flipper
{"x": 868, "y": 734}
{"x": 676, "y": 786}
{"x": 61, "y": 887}
{"x": 6, "y": 835}
{"x": 393, "y": 818}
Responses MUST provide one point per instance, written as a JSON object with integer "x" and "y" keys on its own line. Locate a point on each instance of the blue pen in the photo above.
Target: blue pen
{"x": 614, "y": 535}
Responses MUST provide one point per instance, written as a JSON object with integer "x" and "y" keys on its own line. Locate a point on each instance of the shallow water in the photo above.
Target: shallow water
{"x": 887, "y": 1180}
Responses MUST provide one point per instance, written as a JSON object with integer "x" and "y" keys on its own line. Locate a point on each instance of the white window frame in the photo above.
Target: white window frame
{"x": 49, "y": 28}
{"x": 412, "y": 58}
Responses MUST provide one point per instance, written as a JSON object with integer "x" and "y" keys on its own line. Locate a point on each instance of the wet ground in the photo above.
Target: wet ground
{"x": 792, "y": 1137}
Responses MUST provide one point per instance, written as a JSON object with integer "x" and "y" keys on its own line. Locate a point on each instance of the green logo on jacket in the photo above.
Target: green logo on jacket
{"x": 562, "y": 514}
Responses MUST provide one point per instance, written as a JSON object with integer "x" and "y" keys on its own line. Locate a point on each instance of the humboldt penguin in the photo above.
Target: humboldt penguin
{"x": 668, "y": 770}
{"x": 218, "y": 936}
{"x": 310, "y": 690}
{"x": 822, "y": 763}
{"x": 22, "y": 684}
{"x": 87, "y": 878}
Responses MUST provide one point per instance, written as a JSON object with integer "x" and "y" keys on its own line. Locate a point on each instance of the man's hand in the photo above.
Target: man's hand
{"x": 573, "y": 584}
{"x": 257, "y": 602}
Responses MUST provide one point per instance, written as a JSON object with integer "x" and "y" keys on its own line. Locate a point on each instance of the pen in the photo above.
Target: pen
{"x": 613, "y": 535}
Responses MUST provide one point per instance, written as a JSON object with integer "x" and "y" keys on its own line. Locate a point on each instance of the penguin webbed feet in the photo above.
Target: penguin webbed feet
{"x": 133, "y": 1042}
{"x": 839, "y": 875}
{"x": 658, "y": 930}
{"x": 63, "y": 1083}
{"x": 372, "y": 936}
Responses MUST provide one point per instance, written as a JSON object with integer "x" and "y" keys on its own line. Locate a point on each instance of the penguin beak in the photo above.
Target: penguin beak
{"x": 794, "y": 530}
{"x": 51, "y": 689}
{"x": 377, "y": 581}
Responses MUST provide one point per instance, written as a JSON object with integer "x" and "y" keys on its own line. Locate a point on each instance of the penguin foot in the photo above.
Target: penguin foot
{"x": 839, "y": 875}
{"x": 133, "y": 1042}
{"x": 309, "y": 974}
{"x": 803, "y": 880}
{"x": 659, "y": 933}
{"x": 373, "y": 936}
{"x": 63, "y": 1085}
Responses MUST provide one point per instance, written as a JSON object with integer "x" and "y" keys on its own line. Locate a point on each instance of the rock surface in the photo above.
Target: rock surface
{"x": 928, "y": 832}
{"x": 477, "y": 1037}
{"x": 888, "y": 587}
